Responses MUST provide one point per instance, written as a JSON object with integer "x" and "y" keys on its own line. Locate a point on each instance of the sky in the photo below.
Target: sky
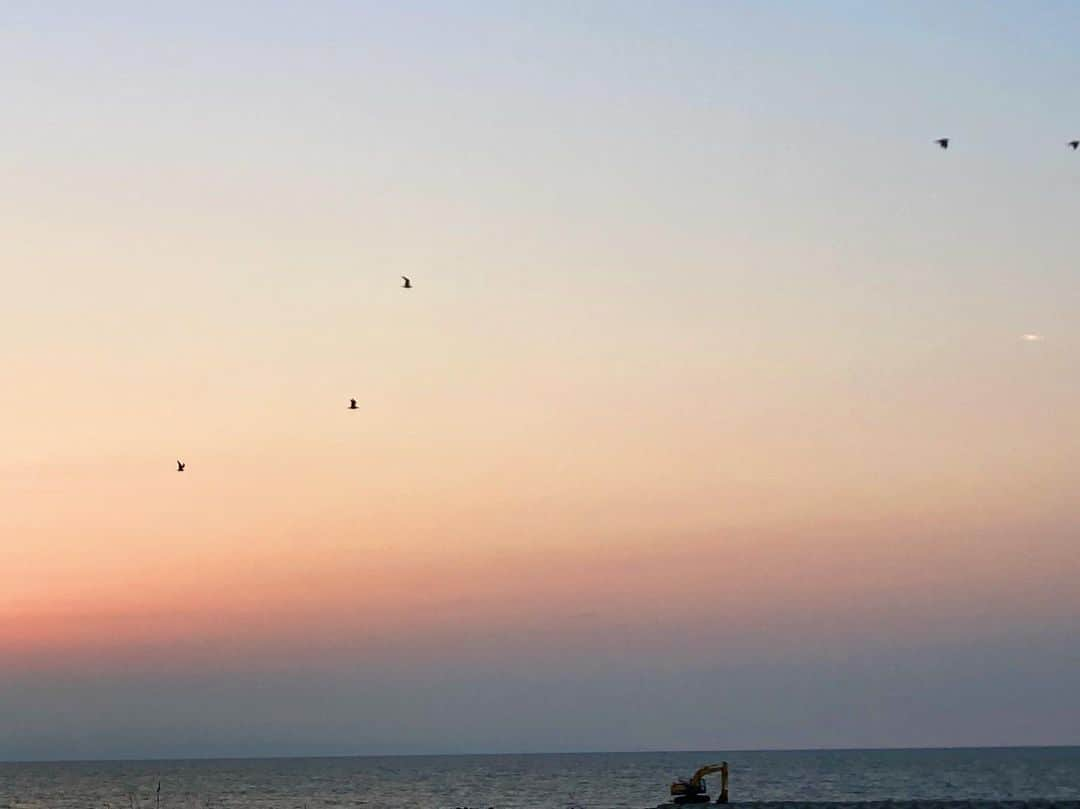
{"x": 709, "y": 422}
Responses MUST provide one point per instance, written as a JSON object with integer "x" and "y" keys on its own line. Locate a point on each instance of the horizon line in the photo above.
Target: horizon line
{"x": 838, "y": 749}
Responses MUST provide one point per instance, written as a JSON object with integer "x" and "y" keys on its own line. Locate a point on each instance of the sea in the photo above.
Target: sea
{"x": 977, "y": 777}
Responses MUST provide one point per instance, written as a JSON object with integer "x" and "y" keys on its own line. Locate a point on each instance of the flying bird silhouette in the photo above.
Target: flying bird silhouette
{"x": 407, "y": 284}
{"x": 942, "y": 142}
{"x": 352, "y": 404}
{"x": 1074, "y": 144}
{"x": 180, "y": 466}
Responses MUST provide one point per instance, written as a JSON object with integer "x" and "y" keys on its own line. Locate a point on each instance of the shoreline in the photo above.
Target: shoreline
{"x": 914, "y": 803}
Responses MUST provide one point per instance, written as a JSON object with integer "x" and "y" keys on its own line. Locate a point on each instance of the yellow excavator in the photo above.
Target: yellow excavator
{"x": 694, "y": 788}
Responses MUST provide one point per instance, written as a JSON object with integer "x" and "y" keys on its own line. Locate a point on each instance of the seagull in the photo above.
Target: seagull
{"x": 942, "y": 142}
{"x": 1074, "y": 144}
{"x": 180, "y": 466}
{"x": 407, "y": 284}
{"x": 352, "y": 404}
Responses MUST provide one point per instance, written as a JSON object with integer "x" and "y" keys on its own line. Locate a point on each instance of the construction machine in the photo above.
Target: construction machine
{"x": 695, "y": 790}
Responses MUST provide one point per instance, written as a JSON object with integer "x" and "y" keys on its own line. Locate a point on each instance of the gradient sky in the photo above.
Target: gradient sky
{"x": 708, "y": 424}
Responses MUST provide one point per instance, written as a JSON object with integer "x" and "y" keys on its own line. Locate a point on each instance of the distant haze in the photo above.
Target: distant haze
{"x": 712, "y": 419}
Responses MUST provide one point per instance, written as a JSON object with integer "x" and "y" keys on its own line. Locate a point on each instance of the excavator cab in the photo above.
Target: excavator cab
{"x": 695, "y": 790}
{"x": 683, "y": 791}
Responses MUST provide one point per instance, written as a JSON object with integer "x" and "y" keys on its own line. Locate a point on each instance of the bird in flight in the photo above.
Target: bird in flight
{"x": 1075, "y": 144}
{"x": 352, "y": 404}
{"x": 407, "y": 284}
{"x": 942, "y": 142}
{"x": 180, "y": 466}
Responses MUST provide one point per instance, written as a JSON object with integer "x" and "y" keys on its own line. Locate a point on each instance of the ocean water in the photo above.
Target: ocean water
{"x": 592, "y": 781}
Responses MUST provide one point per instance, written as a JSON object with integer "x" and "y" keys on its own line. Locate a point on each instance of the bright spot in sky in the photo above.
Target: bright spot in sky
{"x": 1031, "y": 337}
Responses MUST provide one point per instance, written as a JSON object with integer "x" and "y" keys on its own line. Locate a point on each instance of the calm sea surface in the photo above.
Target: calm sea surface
{"x": 594, "y": 781}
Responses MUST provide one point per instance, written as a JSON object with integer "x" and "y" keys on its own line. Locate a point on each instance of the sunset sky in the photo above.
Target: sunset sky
{"x": 709, "y": 423}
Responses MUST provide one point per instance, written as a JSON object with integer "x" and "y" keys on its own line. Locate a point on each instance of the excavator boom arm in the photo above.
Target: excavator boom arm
{"x": 709, "y": 769}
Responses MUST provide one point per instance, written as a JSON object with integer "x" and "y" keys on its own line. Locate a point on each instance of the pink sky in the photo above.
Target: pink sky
{"x": 711, "y": 360}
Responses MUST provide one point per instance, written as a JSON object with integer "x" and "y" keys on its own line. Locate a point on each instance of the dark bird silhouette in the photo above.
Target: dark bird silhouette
{"x": 180, "y": 466}
{"x": 407, "y": 284}
{"x": 352, "y": 404}
{"x": 1075, "y": 144}
{"x": 942, "y": 142}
